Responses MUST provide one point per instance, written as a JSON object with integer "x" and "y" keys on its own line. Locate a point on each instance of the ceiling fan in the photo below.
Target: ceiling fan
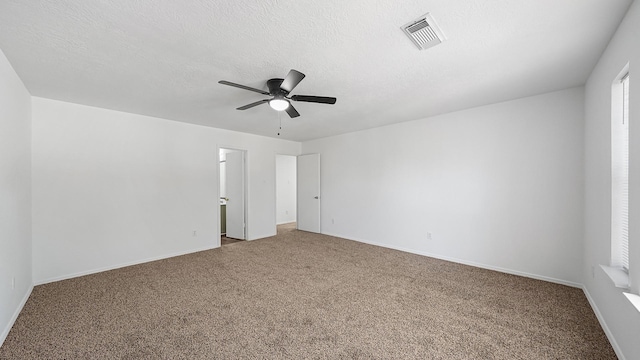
{"x": 279, "y": 90}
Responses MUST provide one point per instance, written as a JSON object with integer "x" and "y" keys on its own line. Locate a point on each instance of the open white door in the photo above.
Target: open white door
{"x": 234, "y": 168}
{"x": 309, "y": 192}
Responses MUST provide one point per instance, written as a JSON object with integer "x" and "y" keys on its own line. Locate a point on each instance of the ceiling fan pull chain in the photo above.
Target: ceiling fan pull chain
{"x": 280, "y": 120}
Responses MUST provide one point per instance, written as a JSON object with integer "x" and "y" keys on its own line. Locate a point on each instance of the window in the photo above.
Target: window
{"x": 620, "y": 173}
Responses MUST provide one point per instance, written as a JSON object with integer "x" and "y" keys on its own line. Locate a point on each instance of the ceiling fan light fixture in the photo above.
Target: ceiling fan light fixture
{"x": 278, "y": 90}
{"x": 279, "y": 104}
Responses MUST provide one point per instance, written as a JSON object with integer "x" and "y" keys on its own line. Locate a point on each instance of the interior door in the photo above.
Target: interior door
{"x": 309, "y": 192}
{"x": 234, "y": 168}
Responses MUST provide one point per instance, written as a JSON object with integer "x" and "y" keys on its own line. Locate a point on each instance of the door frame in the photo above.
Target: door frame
{"x": 245, "y": 178}
{"x": 275, "y": 188}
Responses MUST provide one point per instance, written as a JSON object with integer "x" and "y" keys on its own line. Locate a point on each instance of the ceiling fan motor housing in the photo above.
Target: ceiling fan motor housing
{"x": 274, "y": 87}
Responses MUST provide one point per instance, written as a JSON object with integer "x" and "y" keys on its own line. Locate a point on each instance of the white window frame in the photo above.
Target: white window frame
{"x": 620, "y": 171}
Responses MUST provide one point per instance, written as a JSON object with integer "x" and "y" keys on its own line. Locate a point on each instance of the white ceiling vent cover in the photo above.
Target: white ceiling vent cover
{"x": 424, "y": 32}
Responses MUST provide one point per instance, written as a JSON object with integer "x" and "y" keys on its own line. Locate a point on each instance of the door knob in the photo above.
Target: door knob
{"x": 315, "y": 197}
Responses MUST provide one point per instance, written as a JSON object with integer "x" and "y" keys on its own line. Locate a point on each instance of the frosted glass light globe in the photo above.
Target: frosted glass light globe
{"x": 279, "y": 104}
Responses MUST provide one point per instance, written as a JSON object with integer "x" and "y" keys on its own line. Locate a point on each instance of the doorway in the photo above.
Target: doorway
{"x": 286, "y": 190}
{"x": 232, "y": 189}
{"x": 298, "y": 192}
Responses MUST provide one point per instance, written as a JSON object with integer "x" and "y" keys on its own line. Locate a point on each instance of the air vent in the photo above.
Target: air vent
{"x": 424, "y": 32}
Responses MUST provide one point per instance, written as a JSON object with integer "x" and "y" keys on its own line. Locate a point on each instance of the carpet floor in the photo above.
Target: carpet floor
{"x": 302, "y": 295}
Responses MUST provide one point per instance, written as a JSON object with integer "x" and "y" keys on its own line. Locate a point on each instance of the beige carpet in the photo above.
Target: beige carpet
{"x": 301, "y": 295}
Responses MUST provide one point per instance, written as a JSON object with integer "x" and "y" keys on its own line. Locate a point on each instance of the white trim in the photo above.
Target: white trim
{"x": 617, "y": 275}
{"x": 634, "y": 299}
{"x": 275, "y": 189}
{"x": 603, "y": 324}
{"x": 466, "y": 262}
{"x": 619, "y": 186}
{"x": 113, "y": 267}
{"x": 7, "y": 329}
{"x": 245, "y": 184}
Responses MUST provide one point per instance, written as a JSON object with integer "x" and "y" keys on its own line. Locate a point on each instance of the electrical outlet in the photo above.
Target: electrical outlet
{"x": 13, "y": 283}
{"x": 195, "y": 233}
{"x": 428, "y": 236}
{"x": 333, "y": 221}
{"x": 286, "y": 212}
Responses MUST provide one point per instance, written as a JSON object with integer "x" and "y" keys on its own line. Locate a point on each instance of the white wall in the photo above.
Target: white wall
{"x": 112, "y": 188}
{"x": 285, "y": 189}
{"x": 622, "y": 321}
{"x": 498, "y": 186}
{"x": 15, "y": 196}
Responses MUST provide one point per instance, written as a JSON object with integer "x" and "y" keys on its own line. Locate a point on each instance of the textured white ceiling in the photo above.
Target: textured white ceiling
{"x": 164, "y": 58}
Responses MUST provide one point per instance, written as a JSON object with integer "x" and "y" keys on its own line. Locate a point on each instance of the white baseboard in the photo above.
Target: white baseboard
{"x": 118, "y": 266}
{"x": 5, "y": 331}
{"x": 466, "y": 262}
{"x": 607, "y": 332}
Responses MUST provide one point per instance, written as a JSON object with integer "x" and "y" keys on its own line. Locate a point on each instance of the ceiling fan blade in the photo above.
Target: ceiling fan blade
{"x": 224, "y": 82}
{"x": 315, "y": 99}
{"x": 292, "y": 111}
{"x": 248, "y": 106}
{"x": 292, "y": 80}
